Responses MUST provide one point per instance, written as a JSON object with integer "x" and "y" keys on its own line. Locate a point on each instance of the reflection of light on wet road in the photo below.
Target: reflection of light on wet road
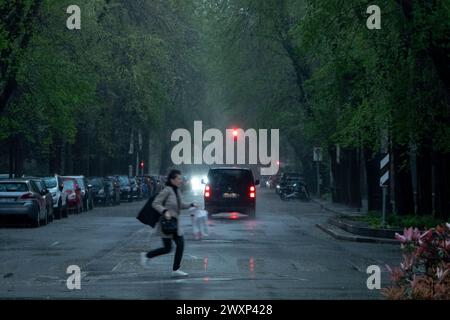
{"x": 230, "y": 216}
{"x": 205, "y": 263}
{"x": 252, "y": 265}
{"x": 204, "y": 279}
{"x": 251, "y": 226}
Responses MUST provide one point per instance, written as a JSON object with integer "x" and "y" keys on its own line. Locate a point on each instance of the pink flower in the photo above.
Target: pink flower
{"x": 399, "y": 237}
{"x": 396, "y": 274}
{"x": 441, "y": 274}
{"x": 426, "y": 237}
{"x": 408, "y": 263}
{"x": 408, "y": 235}
{"x": 415, "y": 234}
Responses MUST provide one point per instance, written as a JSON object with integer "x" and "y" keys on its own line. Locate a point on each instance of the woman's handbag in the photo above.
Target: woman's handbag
{"x": 168, "y": 226}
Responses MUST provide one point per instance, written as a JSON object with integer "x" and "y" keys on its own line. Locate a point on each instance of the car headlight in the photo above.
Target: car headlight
{"x": 196, "y": 183}
{"x": 278, "y": 186}
{"x": 294, "y": 185}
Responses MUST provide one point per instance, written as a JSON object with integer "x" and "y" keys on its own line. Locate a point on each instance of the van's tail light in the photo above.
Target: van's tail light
{"x": 27, "y": 196}
{"x": 252, "y": 192}
{"x": 207, "y": 191}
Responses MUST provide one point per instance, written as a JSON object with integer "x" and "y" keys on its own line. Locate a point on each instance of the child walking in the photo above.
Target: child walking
{"x": 199, "y": 223}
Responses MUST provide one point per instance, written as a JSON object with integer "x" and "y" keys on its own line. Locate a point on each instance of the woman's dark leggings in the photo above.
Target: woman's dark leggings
{"x": 179, "y": 241}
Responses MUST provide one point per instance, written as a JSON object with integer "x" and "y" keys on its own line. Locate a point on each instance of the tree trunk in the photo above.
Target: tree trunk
{"x": 443, "y": 186}
{"x": 403, "y": 196}
{"x": 19, "y": 156}
{"x": 375, "y": 197}
{"x": 55, "y": 159}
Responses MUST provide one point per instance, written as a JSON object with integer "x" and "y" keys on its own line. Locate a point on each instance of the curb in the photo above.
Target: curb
{"x": 369, "y": 235}
{"x": 343, "y": 235}
{"x": 365, "y": 232}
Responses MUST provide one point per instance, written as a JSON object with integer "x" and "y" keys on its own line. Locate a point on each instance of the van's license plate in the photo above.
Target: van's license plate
{"x": 230, "y": 195}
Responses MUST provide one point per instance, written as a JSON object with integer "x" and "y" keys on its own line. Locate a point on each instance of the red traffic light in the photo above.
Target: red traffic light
{"x": 235, "y": 133}
{"x": 142, "y": 164}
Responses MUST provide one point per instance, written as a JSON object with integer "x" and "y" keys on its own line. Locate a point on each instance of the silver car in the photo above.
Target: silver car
{"x": 22, "y": 198}
{"x": 55, "y": 185}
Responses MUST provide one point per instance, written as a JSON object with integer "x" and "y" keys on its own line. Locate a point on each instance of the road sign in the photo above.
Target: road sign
{"x": 317, "y": 154}
{"x": 384, "y": 169}
{"x": 384, "y": 183}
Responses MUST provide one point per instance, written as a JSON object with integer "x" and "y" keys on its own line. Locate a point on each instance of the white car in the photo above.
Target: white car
{"x": 54, "y": 184}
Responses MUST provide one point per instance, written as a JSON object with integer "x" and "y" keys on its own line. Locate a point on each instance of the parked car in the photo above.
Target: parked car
{"x": 112, "y": 182}
{"x": 143, "y": 184}
{"x": 22, "y": 197}
{"x": 156, "y": 184}
{"x": 98, "y": 190}
{"x": 125, "y": 188}
{"x": 55, "y": 185}
{"x": 273, "y": 182}
{"x": 5, "y": 176}
{"x": 135, "y": 188}
{"x": 44, "y": 191}
{"x": 73, "y": 191}
{"x": 230, "y": 189}
{"x": 86, "y": 193}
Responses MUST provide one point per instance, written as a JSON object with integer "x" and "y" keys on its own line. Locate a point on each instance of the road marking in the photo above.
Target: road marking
{"x": 117, "y": 266}
{"x": 54, "y": 244}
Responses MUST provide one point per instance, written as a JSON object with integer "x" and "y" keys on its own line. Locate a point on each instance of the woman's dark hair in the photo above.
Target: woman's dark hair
{"x": 172, "y": 175}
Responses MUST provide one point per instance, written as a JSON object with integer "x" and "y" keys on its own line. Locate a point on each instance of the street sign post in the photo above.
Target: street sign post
{"x": 317, "y": 154}
{"x": 384, "y": 180}
{"x": 317, "y": 158}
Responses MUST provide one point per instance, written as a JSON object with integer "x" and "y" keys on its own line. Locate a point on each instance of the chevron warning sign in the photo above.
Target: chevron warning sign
{"x": 384, "y": 169}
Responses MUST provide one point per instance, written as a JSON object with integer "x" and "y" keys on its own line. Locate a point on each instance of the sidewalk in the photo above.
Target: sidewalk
{"x": 337, "y": 208}
{"x": 348, "y": 230}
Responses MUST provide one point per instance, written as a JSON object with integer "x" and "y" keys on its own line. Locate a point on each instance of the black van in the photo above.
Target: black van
{"x": 230, "y": 189}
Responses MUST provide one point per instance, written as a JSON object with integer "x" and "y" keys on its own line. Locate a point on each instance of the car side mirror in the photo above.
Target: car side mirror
{"x": 203, "y": 181}
{"x": 257, "y": 182}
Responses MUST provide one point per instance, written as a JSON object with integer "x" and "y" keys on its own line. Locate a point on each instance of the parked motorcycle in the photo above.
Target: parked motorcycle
{"x": 294, "y": 190}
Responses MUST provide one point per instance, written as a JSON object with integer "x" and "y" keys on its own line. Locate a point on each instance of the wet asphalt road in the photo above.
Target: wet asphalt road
{"x": 280, "y": 255}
